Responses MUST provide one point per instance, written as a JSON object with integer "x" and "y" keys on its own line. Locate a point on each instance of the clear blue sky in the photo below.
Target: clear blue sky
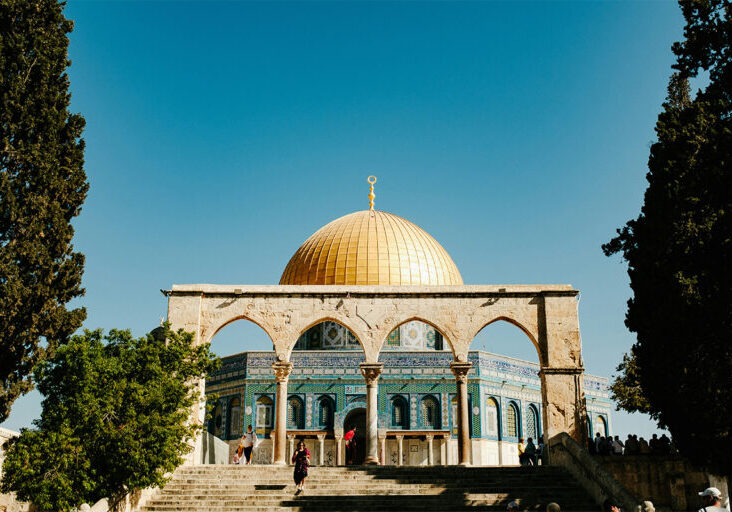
{"x": 221, "y": 135}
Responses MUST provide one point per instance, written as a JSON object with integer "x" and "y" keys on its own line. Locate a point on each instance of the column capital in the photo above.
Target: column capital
{"x": 460, "y": 370}
{"x": 321, "y": 437}
{"x": 429, "y": 437}
{"x": 290, "y": 436}
{"x": 282, "y": 370}
{"x": 399, "y": 436}
{"x": 382, "y": 437}
{"x": 371, "y": 371}
{"x": 338, "y": 438}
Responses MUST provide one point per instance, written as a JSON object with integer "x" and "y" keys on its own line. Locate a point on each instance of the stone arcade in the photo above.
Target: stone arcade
{"x": 372, "y": 272}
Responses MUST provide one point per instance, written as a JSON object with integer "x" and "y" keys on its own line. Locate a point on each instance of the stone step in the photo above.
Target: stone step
{"x": 227, "y": 488}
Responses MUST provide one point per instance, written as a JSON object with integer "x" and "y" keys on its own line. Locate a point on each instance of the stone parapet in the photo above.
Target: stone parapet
{"x": 670, "y": 482}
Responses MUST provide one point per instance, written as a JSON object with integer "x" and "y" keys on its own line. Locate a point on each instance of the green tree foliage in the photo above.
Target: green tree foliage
{"x": 42, "y": 187}
{"x": 679, "y": 252}
{"x": 114, "y": 418}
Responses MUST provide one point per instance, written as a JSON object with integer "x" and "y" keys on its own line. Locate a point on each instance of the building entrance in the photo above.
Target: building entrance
{"x": 356, "y": 453}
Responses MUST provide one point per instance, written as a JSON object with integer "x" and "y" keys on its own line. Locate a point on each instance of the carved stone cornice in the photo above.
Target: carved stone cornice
{"x": 371, "y": 372}
{"x": 460, "y": 370}
{"x": 549, "y": 370}
{"x": 282, "y": 371}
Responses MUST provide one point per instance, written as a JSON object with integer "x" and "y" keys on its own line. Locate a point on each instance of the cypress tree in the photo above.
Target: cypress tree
{"x": 42, "y": 188}
{"x": 679, "y": 252}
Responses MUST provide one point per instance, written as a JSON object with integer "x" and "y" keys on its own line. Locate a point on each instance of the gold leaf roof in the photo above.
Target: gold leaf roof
{"x": 371, "y": 247}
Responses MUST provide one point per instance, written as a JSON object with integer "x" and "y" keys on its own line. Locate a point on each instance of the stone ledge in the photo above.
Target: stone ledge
{"x": 358, "y": 290}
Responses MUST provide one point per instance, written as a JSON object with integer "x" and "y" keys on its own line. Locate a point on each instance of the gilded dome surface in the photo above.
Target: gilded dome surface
{"x": 371, "y": 247}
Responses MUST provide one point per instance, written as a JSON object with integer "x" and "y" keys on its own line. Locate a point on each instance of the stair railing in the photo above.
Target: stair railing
{"x": 597, "y": 481}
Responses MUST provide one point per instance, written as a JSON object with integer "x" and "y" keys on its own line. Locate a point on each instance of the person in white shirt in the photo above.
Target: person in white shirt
{"x": 617, "y": 446}
{"x": 250, "y": 441}
{"x": 712, "y": 500}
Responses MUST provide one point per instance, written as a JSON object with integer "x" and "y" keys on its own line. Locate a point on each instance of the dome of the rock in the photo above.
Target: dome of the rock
{"x": 371, "y": 247}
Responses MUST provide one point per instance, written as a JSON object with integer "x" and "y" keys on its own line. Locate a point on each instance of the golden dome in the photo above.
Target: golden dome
{"x": 371, "y": 247}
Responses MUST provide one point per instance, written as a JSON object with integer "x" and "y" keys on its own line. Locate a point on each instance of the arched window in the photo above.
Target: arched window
{"x": 454, "y": 407}
{"x": 491, "y": 417}
{"x": 264, "y": 412}
{"x": 430, "y": 412}
{"x": 532, "y": 423}
{"x": 399, "y": 413}
{"x": 512, "y": 426}
{"x": 325, "y": 412}
{"x": 600, "y": 426}
{"x": 234, "y": 419}
{"x": 217, "y": 421}
{"x": 295, "y": 414}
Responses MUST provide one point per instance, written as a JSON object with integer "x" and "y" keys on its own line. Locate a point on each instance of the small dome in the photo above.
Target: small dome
{"x": 371, "y": 247}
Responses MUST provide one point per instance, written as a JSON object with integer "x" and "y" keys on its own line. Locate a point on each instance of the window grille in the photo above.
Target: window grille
{"x": 429, "y": 412}
{"x": 512, "y": 421}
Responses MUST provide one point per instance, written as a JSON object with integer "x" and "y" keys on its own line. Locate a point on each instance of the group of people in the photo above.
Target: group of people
{"x": 711, "y": 498}
{"x": 530, "y": 454}
{"x": 601, "y": 445}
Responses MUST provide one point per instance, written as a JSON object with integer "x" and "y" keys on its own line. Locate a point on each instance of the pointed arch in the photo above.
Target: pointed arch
{"x": 532, "y": 336}
{"x": 216, "y": 330}
{"x": 416, "y": 318}
{"x": 324, "y": 319}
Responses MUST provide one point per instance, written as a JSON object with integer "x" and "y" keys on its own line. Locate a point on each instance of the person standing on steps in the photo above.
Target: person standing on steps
{"x": 249, "y": 440}
{"x": 531, "y": 453}
{"x": 239, "y": 451}
{"x": 301, "y": 459}
{"x": 350, "y": 439}
{"x": 521, "y": 447}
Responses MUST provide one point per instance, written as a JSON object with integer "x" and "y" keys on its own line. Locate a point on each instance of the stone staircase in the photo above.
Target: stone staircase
{"x": 228, "y": 488}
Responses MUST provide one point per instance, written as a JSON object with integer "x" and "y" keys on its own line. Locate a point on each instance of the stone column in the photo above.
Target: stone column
{"x": 339, "y": 450}
{"x": 563, "y": 386}
{"x": 321, "y": 451}
{"x": 430, "y": 455}
{"x": 443, "y": 451}
{"x": 371, "y": 372}
{"x": 382, "y": 449}
{"x": 282, "y": 371}
{"x": 400, "y": 449}
{"x": 291, "y": 444}
{"x": 461, "y": 369}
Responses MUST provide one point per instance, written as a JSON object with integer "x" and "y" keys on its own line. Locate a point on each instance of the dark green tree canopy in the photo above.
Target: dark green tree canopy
{"x": 42, "y": 188}
{"x": 114, "y": 419}
{"x": 679, "y": 253}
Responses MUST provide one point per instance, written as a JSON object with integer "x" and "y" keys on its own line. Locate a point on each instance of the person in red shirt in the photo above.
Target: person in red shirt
{"x": 350, "y": 439}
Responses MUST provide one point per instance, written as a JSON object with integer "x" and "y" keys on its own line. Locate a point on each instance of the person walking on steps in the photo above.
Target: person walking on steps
{"x": 301, "y": 459}
{"x": 350, "y": 439}
{"x": 249, "y": 440}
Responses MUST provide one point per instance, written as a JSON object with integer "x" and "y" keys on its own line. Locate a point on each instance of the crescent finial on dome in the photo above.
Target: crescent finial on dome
{"x": 371, "y": 180}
